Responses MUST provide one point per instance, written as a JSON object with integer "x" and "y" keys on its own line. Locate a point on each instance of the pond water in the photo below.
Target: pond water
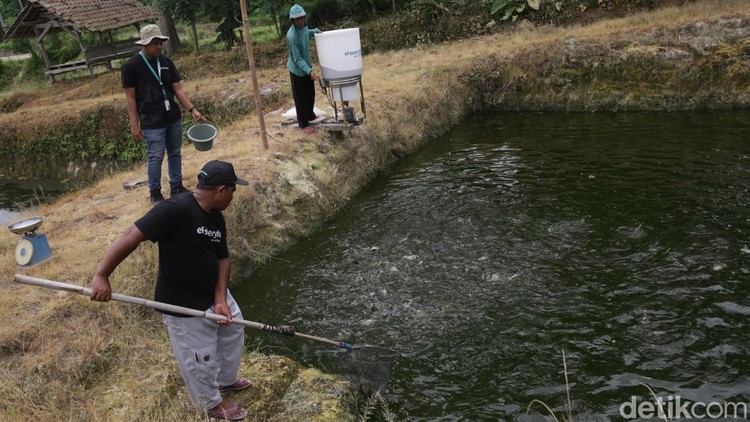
{"x": 622, "y": 240}
{"x": 17, "y": 195}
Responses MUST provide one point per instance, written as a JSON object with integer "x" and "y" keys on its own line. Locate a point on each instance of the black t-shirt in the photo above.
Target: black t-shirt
{"x": 191, "y": 243}
{"x": 148, "y": 94}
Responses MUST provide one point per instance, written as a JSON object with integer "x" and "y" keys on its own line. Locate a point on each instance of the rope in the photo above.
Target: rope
{"x": 284, "y": 330}
{"x": 269, "y": 135}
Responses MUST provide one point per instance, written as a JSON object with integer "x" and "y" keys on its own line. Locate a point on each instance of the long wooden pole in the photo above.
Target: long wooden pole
{"x": 24, "y": 279}
{"x": 251, "y": 61}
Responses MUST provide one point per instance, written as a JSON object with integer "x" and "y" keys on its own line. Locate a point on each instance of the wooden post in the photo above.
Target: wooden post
{"x": 47, "y": 63}
{"x": 251, "y": 61}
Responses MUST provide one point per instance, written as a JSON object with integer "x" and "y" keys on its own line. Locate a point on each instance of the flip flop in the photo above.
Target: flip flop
{"x": 240, "y": 384}
{"x": 231, "y": 413}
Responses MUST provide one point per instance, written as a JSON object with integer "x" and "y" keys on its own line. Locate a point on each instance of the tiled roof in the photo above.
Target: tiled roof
{"x": 90, "y": 15}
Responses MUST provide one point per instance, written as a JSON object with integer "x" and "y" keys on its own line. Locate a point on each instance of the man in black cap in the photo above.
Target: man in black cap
{"x": 194, "y": 272}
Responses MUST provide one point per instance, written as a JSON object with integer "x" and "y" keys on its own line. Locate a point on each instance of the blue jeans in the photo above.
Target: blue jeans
{"x": 167, "y": 139}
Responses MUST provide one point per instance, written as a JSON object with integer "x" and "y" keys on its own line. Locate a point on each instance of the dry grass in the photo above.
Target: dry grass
{"x": 64, "y": 358}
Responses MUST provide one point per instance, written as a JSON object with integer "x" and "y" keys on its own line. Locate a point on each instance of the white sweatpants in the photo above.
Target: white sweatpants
{"x": 208, "y": 354}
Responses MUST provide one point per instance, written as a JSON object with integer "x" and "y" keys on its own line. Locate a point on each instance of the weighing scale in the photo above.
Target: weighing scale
{"x": 33, "y": 247}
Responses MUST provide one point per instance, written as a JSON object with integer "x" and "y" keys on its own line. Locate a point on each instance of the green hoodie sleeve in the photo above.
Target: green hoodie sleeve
{"x": 299, "y": 51}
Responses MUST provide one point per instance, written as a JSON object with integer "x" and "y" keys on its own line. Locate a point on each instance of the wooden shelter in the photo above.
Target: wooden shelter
{"x": 40, "y": 18}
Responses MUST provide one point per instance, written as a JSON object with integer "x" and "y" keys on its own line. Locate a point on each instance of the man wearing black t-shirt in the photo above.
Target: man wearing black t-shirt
{"x": 151, "y": 83}
{"x": 194, "y": 273}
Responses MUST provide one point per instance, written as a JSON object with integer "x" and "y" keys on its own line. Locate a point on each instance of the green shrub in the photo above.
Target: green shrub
{"x": 16, "y": 45}
{"x": 7, "y": 73}
{"x": 61, "y": 48}
{"x": 423, "y": 25}
{"x": 33, "y": 69}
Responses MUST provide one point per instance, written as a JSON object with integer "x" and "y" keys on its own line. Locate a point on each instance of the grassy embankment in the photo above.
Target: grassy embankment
{"x": 64, "y": 358}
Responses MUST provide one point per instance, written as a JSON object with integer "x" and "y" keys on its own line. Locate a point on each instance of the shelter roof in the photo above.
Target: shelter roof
{"x": 90, "y": 15}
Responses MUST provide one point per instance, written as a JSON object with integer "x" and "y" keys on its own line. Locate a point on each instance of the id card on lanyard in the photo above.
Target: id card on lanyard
{"x": 167, "y": 106}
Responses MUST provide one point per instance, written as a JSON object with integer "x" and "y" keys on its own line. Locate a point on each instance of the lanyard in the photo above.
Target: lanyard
{"x": 156, "y": 75}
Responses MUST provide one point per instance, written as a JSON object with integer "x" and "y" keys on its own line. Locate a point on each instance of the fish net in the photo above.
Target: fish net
{"x": 369, "y": 368}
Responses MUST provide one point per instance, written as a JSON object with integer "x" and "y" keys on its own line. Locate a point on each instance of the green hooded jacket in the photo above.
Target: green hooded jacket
{"x": 298, "y": 43}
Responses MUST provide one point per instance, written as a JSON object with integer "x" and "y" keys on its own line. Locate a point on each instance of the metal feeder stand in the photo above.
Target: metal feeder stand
{"x": 349, "y": 117}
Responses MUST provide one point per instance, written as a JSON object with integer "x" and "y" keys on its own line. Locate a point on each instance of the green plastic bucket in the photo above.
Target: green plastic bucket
{"x": 202, "y": 136}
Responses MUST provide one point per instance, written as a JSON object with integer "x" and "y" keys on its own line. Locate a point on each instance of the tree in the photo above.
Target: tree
{"x": 372, "y": 7}
{"x": 227, "y": 13}
{"x": 8, "y": 9}
{"x": 274, "y": 8}
{"x": 166, "y": 22}
{"x": 167, "y": 25}
{"x": 183, "y": 11}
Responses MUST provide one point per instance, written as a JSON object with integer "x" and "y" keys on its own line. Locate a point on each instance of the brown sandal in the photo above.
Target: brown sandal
{"x": 240, "y": 384}
{"x": 232, "y": 413}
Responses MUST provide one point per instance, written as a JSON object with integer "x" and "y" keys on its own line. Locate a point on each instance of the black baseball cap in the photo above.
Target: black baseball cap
{"x": 217, "y": 173}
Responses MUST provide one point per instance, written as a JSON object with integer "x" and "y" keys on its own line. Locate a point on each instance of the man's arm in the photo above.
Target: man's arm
{"x": 101, "y": 290}
{"x": 182, "y": 96}
{"x": 220, "y": 293}
{"x": 135, "y": 128}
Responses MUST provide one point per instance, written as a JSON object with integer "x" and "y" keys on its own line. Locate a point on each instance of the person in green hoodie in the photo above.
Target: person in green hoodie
{"x": 300, "y": 68}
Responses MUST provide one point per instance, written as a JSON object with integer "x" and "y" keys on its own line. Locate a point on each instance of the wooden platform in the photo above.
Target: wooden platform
{"x": 339, "y": 125}
{"x": 101, "y": 54}
{"x": 328, "y": 124}
{"x": 66, "y": 67}
{"x": 96, "y": 56}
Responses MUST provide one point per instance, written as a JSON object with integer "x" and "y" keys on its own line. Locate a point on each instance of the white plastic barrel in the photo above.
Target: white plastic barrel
{"x": 340, "y": 56}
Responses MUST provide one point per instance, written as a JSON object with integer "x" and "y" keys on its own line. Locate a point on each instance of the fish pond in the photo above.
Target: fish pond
{"x": 621, "y": 240}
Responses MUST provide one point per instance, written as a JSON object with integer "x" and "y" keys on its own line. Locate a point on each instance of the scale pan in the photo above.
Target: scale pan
{"x": 26, "y": 226}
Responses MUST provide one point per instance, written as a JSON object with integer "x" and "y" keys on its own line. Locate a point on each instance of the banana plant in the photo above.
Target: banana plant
{"x": 513, "y": 8}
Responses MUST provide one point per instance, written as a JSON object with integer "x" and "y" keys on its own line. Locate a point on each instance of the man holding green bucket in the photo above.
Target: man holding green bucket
{"x": 152, "y": 83}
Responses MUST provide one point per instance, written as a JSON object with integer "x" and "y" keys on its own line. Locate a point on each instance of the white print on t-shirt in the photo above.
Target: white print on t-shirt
{"x": 215, "y": 235}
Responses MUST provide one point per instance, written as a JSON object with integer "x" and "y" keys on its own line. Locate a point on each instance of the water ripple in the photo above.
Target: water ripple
{"x": 620, "y": 239}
